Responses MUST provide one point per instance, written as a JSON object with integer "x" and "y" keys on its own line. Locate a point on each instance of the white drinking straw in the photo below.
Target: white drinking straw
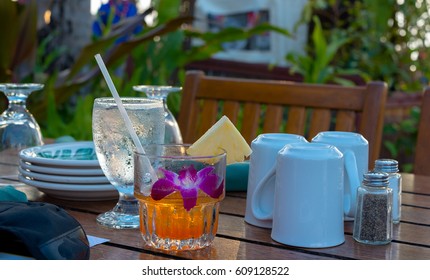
{"x": 123, "y": 112}
{"x": 119, "y": 104}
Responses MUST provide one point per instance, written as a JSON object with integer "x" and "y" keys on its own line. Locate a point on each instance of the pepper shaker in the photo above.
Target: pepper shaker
{"x": 391, "y": 167}
{"x": 373, "y": 222}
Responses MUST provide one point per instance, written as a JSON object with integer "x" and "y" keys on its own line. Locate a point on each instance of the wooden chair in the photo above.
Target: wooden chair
{"x": 265, "y": 106}
{"x": 422, "y": 149}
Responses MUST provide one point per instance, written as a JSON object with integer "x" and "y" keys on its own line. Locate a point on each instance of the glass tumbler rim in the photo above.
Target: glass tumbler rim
{"x": 144, "y": 88}
{"x": 179, "y": 157}
{"x": 10, "y": 87}
{"x": 111, "y": 100}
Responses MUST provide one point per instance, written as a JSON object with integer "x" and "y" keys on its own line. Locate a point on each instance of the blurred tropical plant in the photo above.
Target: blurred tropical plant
{"x": 317, "y": 66}
{"x": 18, "y": 28}
{"x": 400, "y": 139}
{"x": 163, "y": 60}
{"x": 387, "y": 39}
{"x": 134, "y": 52}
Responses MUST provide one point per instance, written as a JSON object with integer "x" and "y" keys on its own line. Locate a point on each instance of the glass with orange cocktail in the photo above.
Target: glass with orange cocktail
{"x": 179, "y": 202}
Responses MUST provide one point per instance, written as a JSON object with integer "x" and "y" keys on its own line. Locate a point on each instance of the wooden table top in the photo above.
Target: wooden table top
{"x": 238, "y": 240}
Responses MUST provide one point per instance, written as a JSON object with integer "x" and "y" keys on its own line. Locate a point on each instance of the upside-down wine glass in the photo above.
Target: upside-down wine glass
{"x": 18, "y": 128}
{"x": 172, "y": 134}
{"x": 115, "y": 147}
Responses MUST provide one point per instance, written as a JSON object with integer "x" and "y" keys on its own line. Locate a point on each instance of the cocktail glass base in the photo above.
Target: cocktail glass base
{"x": 168, "y": 226}
{"x": 122, "y": 216}
{"x": 170, "y": 244}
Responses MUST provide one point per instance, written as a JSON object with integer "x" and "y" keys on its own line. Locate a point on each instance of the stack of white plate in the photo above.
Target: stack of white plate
{"x": 65, "y": 170}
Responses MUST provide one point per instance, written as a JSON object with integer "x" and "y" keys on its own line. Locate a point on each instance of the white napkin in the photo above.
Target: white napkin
{"x": 94, "y": 240}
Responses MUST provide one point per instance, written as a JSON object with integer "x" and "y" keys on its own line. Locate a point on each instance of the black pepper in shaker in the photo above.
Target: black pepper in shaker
{"x": 373, "y": 223}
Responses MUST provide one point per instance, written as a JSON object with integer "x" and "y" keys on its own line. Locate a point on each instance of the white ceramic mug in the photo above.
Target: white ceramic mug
{"x": 355, "y": 149}
{"x": 264, "y": 151}
{"x": 308, "y": 205}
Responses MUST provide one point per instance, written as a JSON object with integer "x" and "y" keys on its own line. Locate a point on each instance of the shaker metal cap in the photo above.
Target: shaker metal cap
{"x": 375, "y": 179}
{"x": 387, "y": 165}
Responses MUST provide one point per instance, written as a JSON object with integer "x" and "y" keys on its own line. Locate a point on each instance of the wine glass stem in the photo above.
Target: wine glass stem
{"x": 127, "y": 204}
{"x": 16, "y": 107}
{"x": 17, "y": 102}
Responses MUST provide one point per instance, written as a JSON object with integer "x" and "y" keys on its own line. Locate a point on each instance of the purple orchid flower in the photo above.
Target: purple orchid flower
{"x": 188, "y": 181}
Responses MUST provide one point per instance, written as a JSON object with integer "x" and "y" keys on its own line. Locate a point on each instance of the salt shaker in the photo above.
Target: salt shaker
{"x": 391, "y": 167}
{"x": 373, "y": 222}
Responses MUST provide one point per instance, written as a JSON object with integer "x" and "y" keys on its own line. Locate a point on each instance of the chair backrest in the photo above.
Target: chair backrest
{"x": 422, "y": 150}
{"x": 265, "y": 106}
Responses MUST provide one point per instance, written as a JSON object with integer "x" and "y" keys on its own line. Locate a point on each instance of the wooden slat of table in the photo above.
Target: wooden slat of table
{"x": 350, "y": 249}
{"x": 106, "y": 252}
{"x": 233, "y": 226}
{"x": 235, "y": 232}
{"x": 415, "y": 215}
{"x": 410, "y": 233}
{"x": 238, "y": 240}
{"x": 416, "y": 200}
{"x": 223, "y": 248}
{"x": 414, "y": 219}
{"x": 416, "y": 184}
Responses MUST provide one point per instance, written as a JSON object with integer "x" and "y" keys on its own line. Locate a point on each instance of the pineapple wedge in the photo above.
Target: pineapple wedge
{"x": 222, "y": 135}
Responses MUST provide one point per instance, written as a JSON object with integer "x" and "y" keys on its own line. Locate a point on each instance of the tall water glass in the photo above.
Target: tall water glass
{"x": 115, "y": 148}
{"x": 173, "y": 134}
{"x": 18, "y": 128}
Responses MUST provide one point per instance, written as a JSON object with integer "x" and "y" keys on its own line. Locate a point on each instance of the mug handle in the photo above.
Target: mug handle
{"x": 354, "y": 182}
{"x": 256, "y": 198}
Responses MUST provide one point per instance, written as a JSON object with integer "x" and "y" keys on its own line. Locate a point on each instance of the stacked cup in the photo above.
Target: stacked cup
{"x": 265, "y": 148}
{"x": 355, "y": 149}
{"x": 304, "y": 191}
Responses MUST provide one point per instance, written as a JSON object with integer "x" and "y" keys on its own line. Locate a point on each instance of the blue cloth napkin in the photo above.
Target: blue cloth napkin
{"x": 65, "y": 139}
{"x": 237, "y": 176}
{"x": 9, "y": 193}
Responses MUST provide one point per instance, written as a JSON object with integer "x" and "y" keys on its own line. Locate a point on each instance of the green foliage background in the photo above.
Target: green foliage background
{"x": 375, "y": 40}
{"x": 155, "y": 56}
{"x": 383, "y": 40}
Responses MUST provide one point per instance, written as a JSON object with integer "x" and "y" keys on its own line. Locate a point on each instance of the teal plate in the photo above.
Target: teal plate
{"x": 76, "y": 154}
{"x": 237, "y": 176}
{"x": 69, "y": 154}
